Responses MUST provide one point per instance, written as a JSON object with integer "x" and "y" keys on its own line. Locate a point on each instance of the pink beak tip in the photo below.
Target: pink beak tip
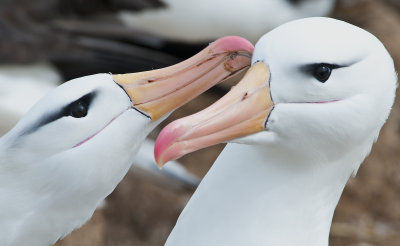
{"x": 165, "y": 140}
{"x": 232, "y": 43}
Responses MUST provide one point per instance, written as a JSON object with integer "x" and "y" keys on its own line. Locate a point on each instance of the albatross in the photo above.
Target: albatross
{"x": 21, "y": 86}
{"x": 299, "y": 124}
{"x": 75, "y": 145}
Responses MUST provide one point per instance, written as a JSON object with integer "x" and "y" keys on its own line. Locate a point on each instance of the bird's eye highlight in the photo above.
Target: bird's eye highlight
{"x": 322, "y": 72}
{"x": 79, "y": 109}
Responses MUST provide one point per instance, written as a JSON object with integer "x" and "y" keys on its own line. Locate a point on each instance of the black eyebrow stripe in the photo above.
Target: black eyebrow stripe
{"x": 62, "y": 112}
{"x": 309, "y": 68}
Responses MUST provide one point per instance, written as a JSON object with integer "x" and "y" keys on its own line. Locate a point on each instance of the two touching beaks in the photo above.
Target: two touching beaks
{"x": 241, "y": 112}
{"x": 157, "y": 93}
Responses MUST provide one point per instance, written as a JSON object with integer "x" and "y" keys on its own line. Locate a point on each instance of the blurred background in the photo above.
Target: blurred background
{"x": 46, "y": 42}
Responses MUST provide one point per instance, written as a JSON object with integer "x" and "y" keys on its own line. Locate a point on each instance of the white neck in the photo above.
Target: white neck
{"x": 44, "y": 200}
{"x": 36, "y": 215}
{"x": 254, "y": 196}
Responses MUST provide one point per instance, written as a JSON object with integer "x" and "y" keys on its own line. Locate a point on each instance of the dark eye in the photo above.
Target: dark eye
{"x": 79, "y": 109}
{"x": 322, "y": 72}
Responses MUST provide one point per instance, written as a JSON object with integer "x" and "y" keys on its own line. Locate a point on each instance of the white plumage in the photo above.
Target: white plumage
{"x": 21, "y": 86}
{"x": 48, "y": 186}
{"x": 279, "y": 181}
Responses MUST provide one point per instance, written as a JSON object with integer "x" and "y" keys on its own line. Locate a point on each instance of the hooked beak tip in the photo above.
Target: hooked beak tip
{"x": 230, "y": 44}
{"x": 164, "y": 149}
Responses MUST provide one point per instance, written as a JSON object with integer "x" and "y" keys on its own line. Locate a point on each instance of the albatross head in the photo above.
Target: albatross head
{"x": 306, "y": 115}
{"x": 75, "y": 145}
{"x": 318, "y": 89}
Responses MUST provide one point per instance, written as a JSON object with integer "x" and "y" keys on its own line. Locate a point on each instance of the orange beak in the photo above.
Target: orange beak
{"x": 156, "y": 93}
{"x": 242, "y": 111}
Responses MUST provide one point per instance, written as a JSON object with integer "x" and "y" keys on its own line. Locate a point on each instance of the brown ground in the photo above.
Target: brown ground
{"x": 140, "y": 212}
